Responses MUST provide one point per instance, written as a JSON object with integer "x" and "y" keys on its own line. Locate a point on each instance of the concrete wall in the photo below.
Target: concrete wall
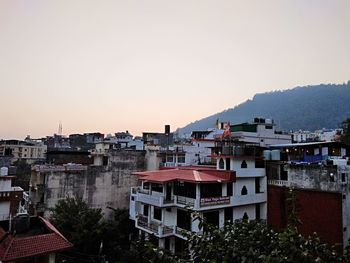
{"x": 99, "y": 186}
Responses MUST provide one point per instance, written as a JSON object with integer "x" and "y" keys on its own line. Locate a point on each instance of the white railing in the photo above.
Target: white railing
{"x": 279, "y": 182}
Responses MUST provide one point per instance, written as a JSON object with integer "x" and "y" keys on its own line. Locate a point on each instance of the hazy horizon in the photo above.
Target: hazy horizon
{"x": 112, "y": 66}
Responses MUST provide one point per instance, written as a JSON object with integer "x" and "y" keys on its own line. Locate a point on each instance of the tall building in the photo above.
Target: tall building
{"x": 167, "y": 201}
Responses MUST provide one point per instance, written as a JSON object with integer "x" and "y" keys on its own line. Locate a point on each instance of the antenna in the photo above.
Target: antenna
{"x": 60, "y": 128}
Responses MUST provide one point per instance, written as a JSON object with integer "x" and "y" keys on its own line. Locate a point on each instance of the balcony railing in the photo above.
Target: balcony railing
{"x": 154, "y": 227}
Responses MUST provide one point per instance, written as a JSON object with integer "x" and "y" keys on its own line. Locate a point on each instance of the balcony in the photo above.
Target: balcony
{"x": 250, "y": 172}
{"x": 238, "y": 200}
{"x": 279, "y": 183}
{"x": 153, "y": 227}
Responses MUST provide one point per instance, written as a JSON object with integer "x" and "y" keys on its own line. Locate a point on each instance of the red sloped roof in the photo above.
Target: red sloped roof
{"x": 14, "y": 248}
{"x": 191, "y": 174}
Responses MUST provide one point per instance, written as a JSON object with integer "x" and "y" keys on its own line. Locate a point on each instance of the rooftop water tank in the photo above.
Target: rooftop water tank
{"x": 275, "y": 155}
{"x": 267, "y": 155}
{"x": 4, "y": 171}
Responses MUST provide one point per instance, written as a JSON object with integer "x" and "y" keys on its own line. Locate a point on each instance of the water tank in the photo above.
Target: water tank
{"x": 267, "y": 155}
{"x": 4, "y": 171}
{"x": 275, "y": 155}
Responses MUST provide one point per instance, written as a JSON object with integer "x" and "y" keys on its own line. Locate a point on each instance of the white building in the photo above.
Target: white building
{"x": 28, "y": 149}
{"x": 10, "y": 197}
{"x": 261, "y": 131}
{"x": 167, "y": 200}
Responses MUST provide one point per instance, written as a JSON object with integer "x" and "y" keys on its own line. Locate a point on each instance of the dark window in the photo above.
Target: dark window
{"x": 257, "y": 185}
{"x": 244, "y": 164}
{"x": 228, "y": 164}
{"x": 212, "y": 218}
{"x": 269, "y": 127}
{"x": 185, "y": 189}
{"x": 168, "y": 209}
{"x": 145, "y": 185}
{"x": 145, "y": 210}
{"x": 244, "y": 190}
{"x": 221, "y": 164}
{"x": 105, "y": 160}
{"x": 228, "y": 214}
{"x": 229, "y": 189}
{"x": 167, "y": 243}
{"x": 259, "y": 163}
{"x": 157, "y": 213}
{"x": 132, "y": 198}
{"x": 157, "y": 188}
{"x": 169, "y": 158}
{"x": 184, "y": 219}
{"x": 257, "y": 211}
{"x": 284, "y": 175}
{"x": 343, "y": 177}
{"x": 245, "y": 216}
{"x": 181, "y": 159}
{"x": 211, "y": 190}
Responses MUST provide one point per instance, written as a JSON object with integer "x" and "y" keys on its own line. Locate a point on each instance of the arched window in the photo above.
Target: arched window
{"x": 245, "y": 216}
{"x": 244, "y": 190}
{"x": 221, "y": 164}
{"x": 244, "y": 164}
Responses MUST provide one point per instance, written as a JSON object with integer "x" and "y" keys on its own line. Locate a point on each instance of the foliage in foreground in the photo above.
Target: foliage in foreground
{"x": 92, "y": 236}
{"x": 249, "y": 241}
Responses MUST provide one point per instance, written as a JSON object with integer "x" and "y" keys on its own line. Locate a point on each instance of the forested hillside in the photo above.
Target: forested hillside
{"x": 307, "y": 108}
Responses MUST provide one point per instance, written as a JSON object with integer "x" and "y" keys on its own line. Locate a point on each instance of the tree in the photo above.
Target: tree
{"x": 345, "y": 138}
{"x": 252, "y": 241}
{"x": 79, "y": 224}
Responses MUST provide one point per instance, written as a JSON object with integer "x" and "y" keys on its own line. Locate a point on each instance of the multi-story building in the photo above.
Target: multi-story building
{"x": 167, "y": 201}
{"x": 13, "y": 199}
{"x": 28, "y": 149}
{"x": 261, "y": 131}
{"x": 319, "y": 173}
{"x": 106, "y": 185}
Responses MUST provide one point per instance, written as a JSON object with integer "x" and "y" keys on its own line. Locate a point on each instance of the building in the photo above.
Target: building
{"x": 102, "y": 186}
{"x": 167, "y": 201}
{"x": 159, "y": 139}
{"x": 194, "y": 151}
{"x": 261, "y": 131}
{"x": 13, "y": 199}
{"x": 30, "y": 239}
{"x": 85, "y": 141}
{"x": 27, "y": 150}
{"x": 318, "y": 172}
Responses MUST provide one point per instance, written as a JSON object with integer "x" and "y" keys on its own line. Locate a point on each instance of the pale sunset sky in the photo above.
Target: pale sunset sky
{"x": 111, "y": 66}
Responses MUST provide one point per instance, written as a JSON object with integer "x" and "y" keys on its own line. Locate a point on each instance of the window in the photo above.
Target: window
{"x": 145, "y": 210}
{"x": 257, "y": 212}
{"x": 229, "y": 189}
{"x": 244, "y": 164}
{"x": 221, "y": 164}
{"x": 169, "y": 159}
{"x": 211, "y": 190}
{"x": 343, "y": 177}
{"x": 257, "y": 185}
{"x": 181, "y": 159}
{"x": 157, "y": 213}
{"x": 331, "y": 177}
{"x": 145, "y": 185}
{"x": 244, "y": 190}
{"x": 228, "y": 214}
{"x": 245, "y": 216}
{"x": 157, "y": 188}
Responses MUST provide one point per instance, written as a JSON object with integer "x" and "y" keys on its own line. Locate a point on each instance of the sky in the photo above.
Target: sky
{"x": 110, "y": 66}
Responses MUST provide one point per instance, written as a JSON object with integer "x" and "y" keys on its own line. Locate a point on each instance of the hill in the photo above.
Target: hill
{"x": 307, "y": 108}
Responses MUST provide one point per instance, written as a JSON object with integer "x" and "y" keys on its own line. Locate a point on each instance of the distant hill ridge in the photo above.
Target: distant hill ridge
{"x": 307, "y": 108}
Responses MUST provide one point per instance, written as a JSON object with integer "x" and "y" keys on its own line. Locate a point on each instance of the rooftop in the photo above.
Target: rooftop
{"x": 41, "y": 238}
{"x": 188, "y": 174}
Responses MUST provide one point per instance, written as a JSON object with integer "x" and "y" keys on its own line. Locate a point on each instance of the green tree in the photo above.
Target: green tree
{"x": 80, "y": 224}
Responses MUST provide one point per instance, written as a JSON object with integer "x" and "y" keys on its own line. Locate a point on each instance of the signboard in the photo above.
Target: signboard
{"x": 222, "y": 200}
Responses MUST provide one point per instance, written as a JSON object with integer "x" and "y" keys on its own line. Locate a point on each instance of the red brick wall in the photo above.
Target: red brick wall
{"x": 319, "y": 212}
